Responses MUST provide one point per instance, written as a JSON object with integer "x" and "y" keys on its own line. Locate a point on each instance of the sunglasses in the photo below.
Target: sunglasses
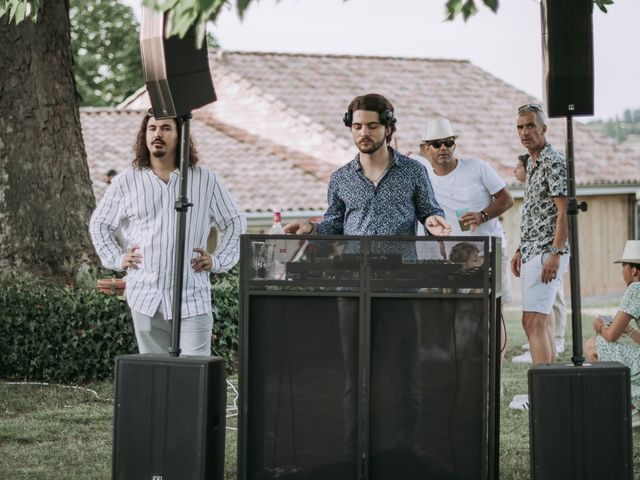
{"x": 530, "y": 107}
{"x": 450, "y": 142}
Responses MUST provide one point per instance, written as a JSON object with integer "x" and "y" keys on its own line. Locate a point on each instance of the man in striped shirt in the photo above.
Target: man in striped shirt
{"x": 140, "y": 202}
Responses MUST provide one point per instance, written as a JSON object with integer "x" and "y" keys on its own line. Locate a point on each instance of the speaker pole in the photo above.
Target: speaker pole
{"x": 574, "y": 262}
{"x": 182, "y": 205}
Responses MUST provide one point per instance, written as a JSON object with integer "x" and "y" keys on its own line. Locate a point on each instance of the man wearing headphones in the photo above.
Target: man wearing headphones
{"x": 379, "y": 192}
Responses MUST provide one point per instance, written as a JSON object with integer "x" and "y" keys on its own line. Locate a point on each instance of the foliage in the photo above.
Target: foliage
{"x": 620, "y": 128}
{"x": 60, "y": 334}
{"x": 187, "y": 13}
{"x": 225, "y": 297}
{"x": 468, "y": 8}
{"x": 74, "y": 334}
{"x": 104, "y": 39}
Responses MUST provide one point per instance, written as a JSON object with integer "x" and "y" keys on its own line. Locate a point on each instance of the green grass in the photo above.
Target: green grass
{"x": 55, "y": 433}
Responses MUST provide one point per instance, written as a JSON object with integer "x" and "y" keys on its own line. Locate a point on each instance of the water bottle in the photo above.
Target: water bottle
{"x": 280, "y": 246}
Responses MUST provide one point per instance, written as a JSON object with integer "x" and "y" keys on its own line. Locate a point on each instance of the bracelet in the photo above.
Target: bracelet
{"x": 314, "y": 228}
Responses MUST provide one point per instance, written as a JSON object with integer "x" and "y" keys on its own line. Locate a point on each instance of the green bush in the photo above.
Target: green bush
{"x": 74, "y": 334}
{"x": 60, "y": 334}
{"x": 225, "y": 297}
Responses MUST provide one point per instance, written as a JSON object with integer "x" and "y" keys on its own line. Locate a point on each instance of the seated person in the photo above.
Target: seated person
{"x": 467, "y": 254}
{"x": 619, "y": 340}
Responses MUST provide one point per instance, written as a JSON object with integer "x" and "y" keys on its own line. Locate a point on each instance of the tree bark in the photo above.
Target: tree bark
{"x": 46, "y": 197}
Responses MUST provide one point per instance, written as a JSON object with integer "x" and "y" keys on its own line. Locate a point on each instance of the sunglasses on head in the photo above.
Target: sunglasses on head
{"x": 449, "y": 142}
{"x": 530, "y": 107}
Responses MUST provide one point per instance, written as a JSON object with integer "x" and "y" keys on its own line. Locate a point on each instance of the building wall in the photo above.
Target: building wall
{"x": 602, "y": 233}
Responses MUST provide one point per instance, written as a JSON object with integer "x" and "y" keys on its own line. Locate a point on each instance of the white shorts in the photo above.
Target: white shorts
{"x": 538, "y": 296}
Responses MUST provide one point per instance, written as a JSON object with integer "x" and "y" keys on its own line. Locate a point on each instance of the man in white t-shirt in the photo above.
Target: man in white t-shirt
{"x": 469, "y": 191}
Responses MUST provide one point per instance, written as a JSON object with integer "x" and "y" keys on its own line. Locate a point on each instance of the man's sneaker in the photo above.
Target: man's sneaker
{"x": 523, "y": 358}
{"x": 520, "y": 402}
{"x": 559, "y": 346}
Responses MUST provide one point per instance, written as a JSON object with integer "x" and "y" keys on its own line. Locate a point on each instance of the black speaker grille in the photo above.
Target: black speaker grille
{"x": 580, "y": 426}
{"x": 167, "y": 420}
{"x": 567, "y": 50}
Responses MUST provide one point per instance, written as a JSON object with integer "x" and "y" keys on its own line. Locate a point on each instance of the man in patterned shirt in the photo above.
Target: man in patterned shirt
{"x": 140, "y": 202}
{"x": 379, "y": 192}
{"x": 543, "y": 255}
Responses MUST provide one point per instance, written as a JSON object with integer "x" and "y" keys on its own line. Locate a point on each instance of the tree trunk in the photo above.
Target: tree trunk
{"x": 46, "y": 197}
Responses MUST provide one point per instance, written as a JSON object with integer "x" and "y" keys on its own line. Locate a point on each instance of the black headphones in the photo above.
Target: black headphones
{"x": 386, "y": 118}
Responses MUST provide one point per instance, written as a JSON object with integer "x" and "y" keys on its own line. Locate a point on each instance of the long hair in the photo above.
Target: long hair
{"x": 142, "y": 157}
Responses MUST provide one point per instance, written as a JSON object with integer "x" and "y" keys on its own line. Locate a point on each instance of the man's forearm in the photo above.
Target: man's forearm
{"x": 562, "y": 230}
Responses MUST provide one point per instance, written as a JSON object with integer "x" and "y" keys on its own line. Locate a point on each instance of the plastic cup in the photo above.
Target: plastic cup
{"x": 459, "y": 213}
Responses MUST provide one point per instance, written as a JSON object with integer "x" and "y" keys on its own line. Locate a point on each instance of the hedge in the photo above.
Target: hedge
{"x": 74, "y": 334}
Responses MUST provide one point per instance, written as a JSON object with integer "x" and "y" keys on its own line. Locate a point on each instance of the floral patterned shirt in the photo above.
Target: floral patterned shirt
{"x": 359, "y": 207}
{"x": 630, "y": 303}
{"x": 546, "y": 178}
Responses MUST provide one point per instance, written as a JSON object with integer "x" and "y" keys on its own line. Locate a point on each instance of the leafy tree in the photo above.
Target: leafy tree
{"x": 104, "y": 39}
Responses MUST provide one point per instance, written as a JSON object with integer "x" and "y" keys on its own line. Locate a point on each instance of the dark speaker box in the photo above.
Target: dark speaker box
{"x": 580, "y": 422}
{"x": 169, "y": 418}
{"x": 567, "y": 54}
{"x": 176, "y": 73}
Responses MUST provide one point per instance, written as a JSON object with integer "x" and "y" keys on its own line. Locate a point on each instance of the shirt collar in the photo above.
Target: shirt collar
{"x": 395, "y": 158}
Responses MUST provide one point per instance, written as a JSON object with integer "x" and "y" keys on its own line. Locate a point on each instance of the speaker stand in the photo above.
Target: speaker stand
{"x": 182, "y": 205}
{"x": 574, "y": 264}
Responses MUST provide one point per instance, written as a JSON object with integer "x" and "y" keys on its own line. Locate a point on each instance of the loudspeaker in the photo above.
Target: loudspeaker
{"x": 176, "y": 73}
{"x": 580, "y": 422}
{"x": 169, "y": 418}
{"x": 567, "y": 57}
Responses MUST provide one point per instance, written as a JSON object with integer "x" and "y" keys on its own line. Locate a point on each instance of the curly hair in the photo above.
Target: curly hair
{"x": 142, "y": 157}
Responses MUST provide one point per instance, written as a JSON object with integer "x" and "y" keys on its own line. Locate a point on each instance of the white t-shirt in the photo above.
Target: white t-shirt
{"x": 471, "y": 185}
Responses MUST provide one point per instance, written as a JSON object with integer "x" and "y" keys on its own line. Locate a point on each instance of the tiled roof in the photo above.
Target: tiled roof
{"x": 257, "y": 176}
{"x": 298, "y": 100}
{"x": 291, "y": 106}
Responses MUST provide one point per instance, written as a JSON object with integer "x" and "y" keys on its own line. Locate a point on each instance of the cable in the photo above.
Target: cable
{"x": 503, "y": 347}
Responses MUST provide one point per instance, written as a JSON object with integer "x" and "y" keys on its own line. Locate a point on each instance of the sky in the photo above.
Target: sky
{"x": 506, "y": 44}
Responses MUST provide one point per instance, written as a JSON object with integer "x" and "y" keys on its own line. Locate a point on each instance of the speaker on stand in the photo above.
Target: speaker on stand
{"x": 567, "y": 57}
{"x": 176, "y": 70}
{"x": 580, "y": 416}
{"x": 170, "y": 411}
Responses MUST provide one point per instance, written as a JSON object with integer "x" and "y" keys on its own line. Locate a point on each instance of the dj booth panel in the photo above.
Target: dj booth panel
{"x": 361, "y": 367}
{"x": 427, "y": 375}
{"x": 299, "y": 421}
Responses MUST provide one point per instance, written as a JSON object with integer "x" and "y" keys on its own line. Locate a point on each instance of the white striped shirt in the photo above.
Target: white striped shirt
{"x": 143, "y": 207}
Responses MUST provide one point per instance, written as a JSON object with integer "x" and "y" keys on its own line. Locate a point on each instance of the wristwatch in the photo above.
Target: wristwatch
{"x": 555, "y": 250}
{"x": 485, "y": 216}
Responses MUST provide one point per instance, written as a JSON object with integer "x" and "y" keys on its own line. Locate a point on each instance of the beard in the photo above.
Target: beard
{"x": 372, "y": 147}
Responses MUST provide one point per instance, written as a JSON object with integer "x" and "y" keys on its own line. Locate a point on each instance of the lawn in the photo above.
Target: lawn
{"x": 50, "y": 432}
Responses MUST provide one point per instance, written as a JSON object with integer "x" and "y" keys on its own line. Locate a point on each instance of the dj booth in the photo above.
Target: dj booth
{"x": 369, "y": 357}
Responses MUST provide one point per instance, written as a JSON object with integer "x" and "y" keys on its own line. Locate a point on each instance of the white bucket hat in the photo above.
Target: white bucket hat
{"x": 631, "y": 253}
{"x": 437, "y": 129}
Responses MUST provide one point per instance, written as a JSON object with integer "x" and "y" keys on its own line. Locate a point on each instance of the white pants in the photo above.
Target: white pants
{"x": 154, "y": 333}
